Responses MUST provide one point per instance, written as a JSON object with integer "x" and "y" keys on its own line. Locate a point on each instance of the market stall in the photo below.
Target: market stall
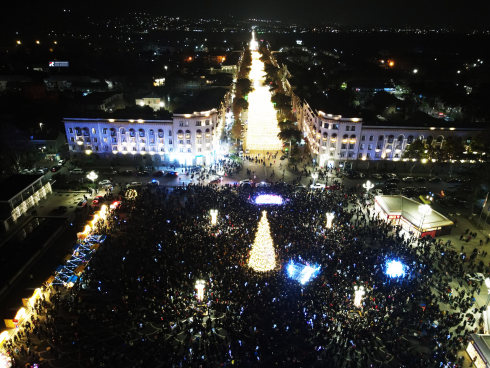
{"x": 413, "y": 217}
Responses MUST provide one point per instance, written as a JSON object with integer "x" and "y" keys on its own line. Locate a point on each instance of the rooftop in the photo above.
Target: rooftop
{"x": 409, "y": 209}
{"x": 206, "y": 100}
{"x": 97, "y": 97}
{"x": 15, "y": 184}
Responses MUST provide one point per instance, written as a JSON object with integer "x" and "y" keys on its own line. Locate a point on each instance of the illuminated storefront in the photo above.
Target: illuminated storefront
{"x": 478, "y": 350}
{"x": 412, "y": 216}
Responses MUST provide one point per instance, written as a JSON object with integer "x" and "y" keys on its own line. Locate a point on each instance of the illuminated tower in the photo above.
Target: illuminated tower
{"x": 263, "y": 256}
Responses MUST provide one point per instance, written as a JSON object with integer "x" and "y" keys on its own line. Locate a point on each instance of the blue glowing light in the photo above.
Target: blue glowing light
{"x": 302, "y": 273}
{"x": 395, "y": 268}
{"x": 268, "y": 199}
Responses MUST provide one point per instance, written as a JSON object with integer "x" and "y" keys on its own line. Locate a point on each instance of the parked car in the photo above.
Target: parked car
{"x": 390, "y": 186}
{"x": 60, "y": 210}
{"x": 435, "y": 179}
{"x": 377, "y": 176}
{"x": 143, "y": 173}
{"x": 246, "y": 181}
{"x": 77, "y": 171}
{"x": 127, "y": 173}
{"x": 422, "y": 191}
{"x": 393, "y": 180}
{"x": 420, "y": 179}
{"x": 98, "y": 200}
{"x": 475, "y": 276}
{"x": 135, "y": 184}
{"x": 39, "y": 172}
{"x": 283, "y": 157}
{"x": 453, "y": 180}
{"x": 105, "y": 182}
{"x": 263, "y": 184}
{"x": 318, "y": 186}
{"x": 61, "y": 162}
{"x": 55, "y": 168}
{"x": 332, "y": 187}
{"x": 172, "y": 174}
{"x": 158, "y": 173}
{"x": 82, "y": 203}
{"x": 408, "y": 179}
{"x": 110, "y": 172}
{"x": 153, "y": 183}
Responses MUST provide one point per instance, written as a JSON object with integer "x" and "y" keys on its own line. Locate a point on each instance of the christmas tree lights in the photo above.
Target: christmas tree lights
{"x": 263, "y": 256}
{"x": 262, "y": 120}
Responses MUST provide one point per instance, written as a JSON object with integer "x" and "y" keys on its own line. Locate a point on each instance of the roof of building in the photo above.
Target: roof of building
{"x": 15, "y": 78}
{"x": 96, "y": 98}
{"x": 409, "y": 209}
{"x": 45, "y": 135}
{"x": 206, "y": 100}
{"x": 152, "y": 95}
{"x": 320, "y": 102}
{"x": 15, "y": 184}
{"x": 133, "y": 112}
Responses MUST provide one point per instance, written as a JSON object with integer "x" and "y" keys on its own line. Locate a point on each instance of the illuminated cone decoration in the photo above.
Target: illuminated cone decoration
{"x": 263, "y": 256}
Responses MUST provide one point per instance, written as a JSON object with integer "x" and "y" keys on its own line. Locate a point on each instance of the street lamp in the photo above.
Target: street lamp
{"x": 424, "y": 210}
{"x": 92, "y": 176}
{"x": 359, "y": 293}
{"x": 368, "y": 186}
{"x": 314, "y": 176}
{"x": 330, "y": 217}
{"x": 200, "y": 289}
{"x": 214, "y": 216}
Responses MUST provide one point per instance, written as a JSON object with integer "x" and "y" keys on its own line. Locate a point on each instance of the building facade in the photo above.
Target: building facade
{"x": 339, "y": 141}
{"x": 20, "y": 193}
{"x": 187, "y": 138}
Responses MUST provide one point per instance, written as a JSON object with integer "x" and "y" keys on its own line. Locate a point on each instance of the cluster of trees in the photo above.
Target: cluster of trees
{"x": 289, "y": 132}
{"x": 243, "y": 87}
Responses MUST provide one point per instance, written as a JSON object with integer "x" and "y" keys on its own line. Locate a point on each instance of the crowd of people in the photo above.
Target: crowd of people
{"x": 141, "y": 286}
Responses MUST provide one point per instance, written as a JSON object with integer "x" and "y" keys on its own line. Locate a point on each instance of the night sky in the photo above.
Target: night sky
{"x": 344, "y": 12}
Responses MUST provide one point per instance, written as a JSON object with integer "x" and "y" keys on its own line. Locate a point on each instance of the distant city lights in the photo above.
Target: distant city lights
{"x": 268, "y": 199}
{"x": 302, "y": 273}
{"x": 395, "y": 268}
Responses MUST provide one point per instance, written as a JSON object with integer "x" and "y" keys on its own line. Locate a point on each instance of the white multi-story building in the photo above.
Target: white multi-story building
{"x": 191, "y": 136}
{"x": 338, "y": 141}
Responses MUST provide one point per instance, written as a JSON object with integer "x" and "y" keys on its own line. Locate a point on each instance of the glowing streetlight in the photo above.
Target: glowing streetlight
{"x": 200, "y": 289}
{"x": 359, "y": 293}
{"x": 424, "y": 210}
{"x": 92, "y": 176}
{"x": 330, "y": 217}
{"x": 368, "y": 186}
{"x": 415, "y": 71}
{"x": 214, "y": 216}
{"x": 314, "y": 176}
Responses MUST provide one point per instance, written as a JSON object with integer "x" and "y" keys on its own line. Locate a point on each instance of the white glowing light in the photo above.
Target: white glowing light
{"x": 214, "y": 216}
{"x": 302, "y": 273}
{"x": 200, "y": 289}
{"x": 359, "y": 293}
{"x": 92, "y": 176}
{"x": 368, "y": 186}
{"x": 262, "y": 119}
{"x": 395, "y": 269}
{"x": 330, "y": 217}
{"x": 268, "y": 199}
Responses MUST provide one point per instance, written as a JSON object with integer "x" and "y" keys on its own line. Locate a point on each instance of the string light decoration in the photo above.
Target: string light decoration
{"x": 214, "y": 216}
{"x": 262, "y": 128}
{"x": 200, "y": 289}
{"x": 263, "y": 255}
{"x": 359, "y": 292}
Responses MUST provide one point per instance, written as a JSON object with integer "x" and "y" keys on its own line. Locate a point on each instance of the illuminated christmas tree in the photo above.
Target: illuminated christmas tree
{"x": 263, "y": 256}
